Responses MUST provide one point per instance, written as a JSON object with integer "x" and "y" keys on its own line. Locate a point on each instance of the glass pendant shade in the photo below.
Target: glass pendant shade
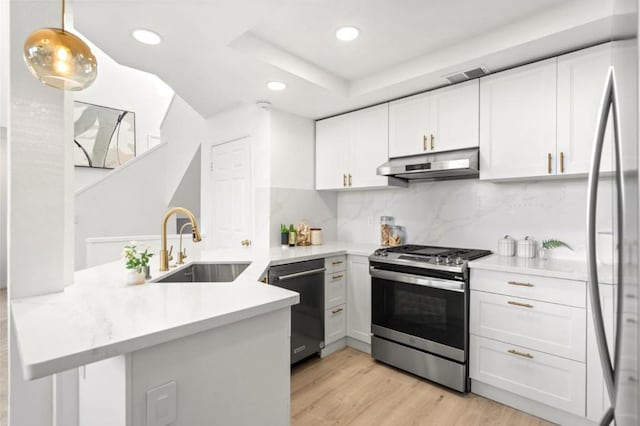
{"x": 60, "y": 59}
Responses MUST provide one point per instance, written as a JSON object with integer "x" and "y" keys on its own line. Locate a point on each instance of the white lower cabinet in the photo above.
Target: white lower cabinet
{"x": 335, "y": 280}
{"x": 551, "y": 380}
{"x": 334, "y": 324}
{"x": 543, "y": 326}
{"x": 334, "y": 289}
{"x": 528, "y": 342}
{"x": 358, "y": 298}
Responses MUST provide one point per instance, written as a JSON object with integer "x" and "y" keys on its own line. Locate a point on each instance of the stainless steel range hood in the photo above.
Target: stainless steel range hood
{"x": 459, "y": 164}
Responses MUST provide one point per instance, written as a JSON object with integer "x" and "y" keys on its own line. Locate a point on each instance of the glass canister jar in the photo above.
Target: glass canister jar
{"x": 396, "y": 236}
{"x": 386, "y": 222}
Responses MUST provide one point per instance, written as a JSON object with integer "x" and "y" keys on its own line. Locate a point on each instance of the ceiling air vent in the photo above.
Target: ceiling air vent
{"x": 468, "y": 74}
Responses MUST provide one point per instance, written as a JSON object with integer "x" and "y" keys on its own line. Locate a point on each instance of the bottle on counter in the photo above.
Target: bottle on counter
{"x": 292, "y": 235}
{"x": 284, "y": 235}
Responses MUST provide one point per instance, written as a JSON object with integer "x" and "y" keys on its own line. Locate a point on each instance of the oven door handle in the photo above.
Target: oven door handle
{"x": 416, "y": 279}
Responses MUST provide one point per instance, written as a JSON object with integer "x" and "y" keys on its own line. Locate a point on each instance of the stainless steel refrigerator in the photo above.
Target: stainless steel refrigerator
{"x": 617, "y": 344}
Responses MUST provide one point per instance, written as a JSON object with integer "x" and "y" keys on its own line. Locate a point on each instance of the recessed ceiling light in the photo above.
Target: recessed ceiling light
{"x": 146, "y": 37}
{"x": 347, "y": 33}
{"x": 276, "y": 85}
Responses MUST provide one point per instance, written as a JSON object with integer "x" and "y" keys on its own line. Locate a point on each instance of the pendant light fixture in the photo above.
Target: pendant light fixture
{"x": 59, "y": 58}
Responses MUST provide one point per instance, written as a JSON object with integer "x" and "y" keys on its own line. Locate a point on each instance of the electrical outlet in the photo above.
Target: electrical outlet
{"x": 161, "y": 405}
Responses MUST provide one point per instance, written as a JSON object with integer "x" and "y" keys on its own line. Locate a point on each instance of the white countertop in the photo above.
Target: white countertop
{"x": 556, "y": 268}
{"x": 99, "y": 317}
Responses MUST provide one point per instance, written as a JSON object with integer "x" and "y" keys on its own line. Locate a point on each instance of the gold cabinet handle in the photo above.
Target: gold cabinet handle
{"x": 520, "y": 284}
{"x": 549, "y": 163}
{"x": 561, "y": 162}
{"x": 524, "y": 305}
{"x": 336, "y": 311}
{"x": 344, "y": 180}
{"x": 337, "y": 262}
{"x": 522, "y": 354}
{"x": 424, "y": 142}
{"x": 349, "y": 179}
{"x": 337, "y": 277}
{"x": 432, "y": 138}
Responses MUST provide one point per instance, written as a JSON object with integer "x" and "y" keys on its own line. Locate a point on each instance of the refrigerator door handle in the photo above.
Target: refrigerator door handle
{"x": 607, "y": 103}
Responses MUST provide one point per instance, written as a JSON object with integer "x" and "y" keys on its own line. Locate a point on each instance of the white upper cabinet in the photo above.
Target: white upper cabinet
{"x": 440, "y": 120}
{"x": 455, "y": 117}
{"x": 518, "y": 122}
{"x": 409, "y": 125}
{"x": 350, "y": 147}
{"x": 332, "y": 147}
{"x": 369, "y": 146}
{"x": 581, "y": 78}
{"x": 540, "y": 119}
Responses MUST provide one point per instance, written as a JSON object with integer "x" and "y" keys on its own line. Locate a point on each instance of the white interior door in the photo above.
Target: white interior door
{"x": 231, "y": 193}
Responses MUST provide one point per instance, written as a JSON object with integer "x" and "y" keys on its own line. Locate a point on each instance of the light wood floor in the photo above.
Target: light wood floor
{"x": 3, "y": 357}
{"x": 350, "y": 388}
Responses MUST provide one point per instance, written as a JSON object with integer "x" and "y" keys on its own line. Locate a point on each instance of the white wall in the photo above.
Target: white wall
{"x": 128, "y": 202}
{"x": 39, "y": 215}
{"x": 184, "y": 131}
{"x": 3, "y": 206}
{"x": 292, "y": 151}
{"x": 293, "y": 198}
{"x": 187, "y": 193}
{"x": 474, "y": 214}
{"x": 4, "y": 63}
{"x": 129, "y": 89}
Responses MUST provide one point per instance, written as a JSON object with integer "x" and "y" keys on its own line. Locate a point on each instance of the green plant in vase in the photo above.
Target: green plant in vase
{"x": 550, "y": 244}
{"x": 136, "y": 262}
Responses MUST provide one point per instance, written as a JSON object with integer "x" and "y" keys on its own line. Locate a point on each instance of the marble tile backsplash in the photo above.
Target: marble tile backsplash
{"x": 316, "y": 208}
{"x": 475, "y": 214}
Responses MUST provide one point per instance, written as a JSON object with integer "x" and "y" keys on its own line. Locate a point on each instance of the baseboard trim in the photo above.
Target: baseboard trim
{"x": 333, "y": 347}
{"x": 359, "y": 345}
{"x": 528, "y": 406}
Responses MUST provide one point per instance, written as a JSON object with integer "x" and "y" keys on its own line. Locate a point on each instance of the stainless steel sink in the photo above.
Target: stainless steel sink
{"x": 206, "y": 273}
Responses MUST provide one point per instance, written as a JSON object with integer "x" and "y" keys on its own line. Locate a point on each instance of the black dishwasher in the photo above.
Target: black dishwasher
{"x": 307, "y": 317}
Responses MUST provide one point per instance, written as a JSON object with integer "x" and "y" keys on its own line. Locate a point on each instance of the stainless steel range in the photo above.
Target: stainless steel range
{"x": 420, "y": 311}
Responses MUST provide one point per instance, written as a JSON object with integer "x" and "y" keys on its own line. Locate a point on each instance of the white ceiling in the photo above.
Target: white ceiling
{"x": 391, "y": 31}
{"x": 219, "y": 53}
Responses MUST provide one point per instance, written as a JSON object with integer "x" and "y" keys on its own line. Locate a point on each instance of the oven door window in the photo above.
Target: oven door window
{"x": 430, "y": 313}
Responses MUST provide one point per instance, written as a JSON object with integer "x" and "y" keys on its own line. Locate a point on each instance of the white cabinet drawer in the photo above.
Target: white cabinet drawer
{"x": 335, "y": 264}
{"x": 554, "y": 290}
{"x": 334, "y": 289}
{"x": 334, "y": 324}
{"x": 547, "y": 327}
{"x": 548, "y": 379}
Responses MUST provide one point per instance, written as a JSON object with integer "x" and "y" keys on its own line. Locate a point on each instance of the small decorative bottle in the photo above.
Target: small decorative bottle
{"x": 292, "y": 235}
{"x": 284, "y": 235}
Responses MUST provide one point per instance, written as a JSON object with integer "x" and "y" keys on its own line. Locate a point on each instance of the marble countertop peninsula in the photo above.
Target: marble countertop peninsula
{"x": 99, "y": 317}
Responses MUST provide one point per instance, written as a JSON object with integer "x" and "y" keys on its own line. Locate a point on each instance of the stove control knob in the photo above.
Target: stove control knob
{"x": 448, "y": 260}
{"x": 459, "y": 260}
{"x": 380, "y": 252}
{"x": 438, "y": 260}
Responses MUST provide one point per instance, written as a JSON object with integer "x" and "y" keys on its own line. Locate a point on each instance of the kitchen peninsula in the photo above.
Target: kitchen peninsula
{"x": 212, "y": 344}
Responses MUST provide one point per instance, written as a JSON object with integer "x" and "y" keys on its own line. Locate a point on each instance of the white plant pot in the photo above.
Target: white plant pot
{"x": 134, "y": 277}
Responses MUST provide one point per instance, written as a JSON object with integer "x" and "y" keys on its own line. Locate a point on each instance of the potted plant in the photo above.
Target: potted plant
{"x": 284, "y": 235}
{"x": 137, "y": 263}
{"x": 550, "y": 244}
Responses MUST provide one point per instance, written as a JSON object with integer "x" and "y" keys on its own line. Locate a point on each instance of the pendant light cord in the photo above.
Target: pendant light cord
{"x": 63, "y": 7}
